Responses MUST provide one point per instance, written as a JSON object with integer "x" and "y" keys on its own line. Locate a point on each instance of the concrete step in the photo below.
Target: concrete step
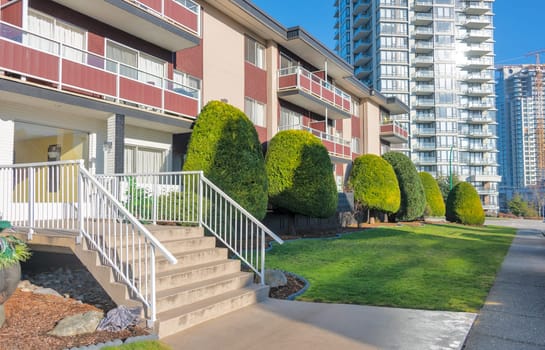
{"x": 187, "y": 275}
{"x": 178, "y": 246}
{"x": 189, "y": 259}
{"x": 178, "y": 319}
{"x": 170, "y": 233}
{"x": 195, "y": 292}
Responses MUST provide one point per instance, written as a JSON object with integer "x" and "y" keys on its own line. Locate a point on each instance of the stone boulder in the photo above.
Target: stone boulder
{"x": 77, "y": 324}
{"x": 275, "y": 278}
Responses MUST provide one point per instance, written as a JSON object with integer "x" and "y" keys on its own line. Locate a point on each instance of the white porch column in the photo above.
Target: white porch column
{"x": 7, "y": 141}
{"x": 6, "y": 158}
{"x": 114, "y": 146}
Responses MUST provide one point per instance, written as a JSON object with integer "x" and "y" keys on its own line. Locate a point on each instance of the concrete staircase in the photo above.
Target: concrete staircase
{"x": 203, "y": 285}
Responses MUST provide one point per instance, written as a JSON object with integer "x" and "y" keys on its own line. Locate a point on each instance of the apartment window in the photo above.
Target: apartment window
{"x": 139, "y": 159}
{"x": 290, "y": 118}
{"x": 255, "y": 111}
{"x": 53, "y": 29}
{"x": 356, "y": 145}
{"x": 255, "y": 53}
{"x": 134, "y": 64}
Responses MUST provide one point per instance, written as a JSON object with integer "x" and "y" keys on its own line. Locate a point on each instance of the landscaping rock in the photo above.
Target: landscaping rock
{"x": 275, "y": 278}
{"x": 77, "y": 324}
{"x": 2, "y": 316}
{"x": 120, "y": 318}
{"x": 46, "y": 291}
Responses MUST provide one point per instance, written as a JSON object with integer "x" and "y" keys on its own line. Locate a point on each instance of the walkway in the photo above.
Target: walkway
{"x": 514, "y": 314}
{"x": 280, "y": 324}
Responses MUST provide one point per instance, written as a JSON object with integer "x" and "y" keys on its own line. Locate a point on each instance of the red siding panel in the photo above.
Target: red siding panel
{"x": 261, "y": 133}
{"x": 191, "y": 61}
{"x": 95, "y": 43}
{"x": 88, "y": 78}
{"x": 255, "y": 83}
{"x": 356, "y": 132}
{"x": 29, "y": 61}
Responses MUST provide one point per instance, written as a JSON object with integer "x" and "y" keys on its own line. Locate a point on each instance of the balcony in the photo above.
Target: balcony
{"x": 392, "y": 132}
{"x": 362, "y": 45}
{"x": 477, "y": 7}
{"x": 485, "y": 178}
{"x": 362, "y": 72}
{"x": 480, "y": 106}
{"x": 362, "y": 6}
{"x": 424, "y": 132}
{"x": 424, "y": 117}
{"x": 423, "y": 46}
{"x": 84, "y": 73}
{"x": 479, "y": 134}
{"x": 421, "y": 18}
{"x": 479, "y": 63}
{"x": 171, "y": 24}
{"x": 421, "y": 32}
{"x": 424, "y": 89}
{"x": 362, "y": 58}
{"x": 362, "y": 32}
{"x": 476, "y": 22}
{"x": 423, "y": 61}
{"x": 361, "y": 19}
{"x": 480, "y": 120}
{"x": 307, "y": 90}
{"x": 424, "y": 147}
{"x": 483, "y": 77}
{"x": 423, "y": 75}
{"x": 423, "y": 5}
{"x": 479, "y": 92}
{"x": 478, "y": 36}
{"x": 424, "y": 103}
{"x": 480, "y": 49}
{"x": 336, "y": 146}
{"x": 425, "y": 161}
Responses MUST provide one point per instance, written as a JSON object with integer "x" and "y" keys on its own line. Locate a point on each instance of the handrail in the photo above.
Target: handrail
{"x": 191, "y": 198}
{"x": 64, "y": 196}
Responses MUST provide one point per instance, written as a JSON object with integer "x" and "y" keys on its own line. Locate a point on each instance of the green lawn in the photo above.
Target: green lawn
{"x": 436, "y": 267}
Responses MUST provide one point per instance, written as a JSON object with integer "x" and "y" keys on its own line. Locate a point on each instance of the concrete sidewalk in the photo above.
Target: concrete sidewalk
{"x": 280, "y": 324}
{"x": 514, "y": 313}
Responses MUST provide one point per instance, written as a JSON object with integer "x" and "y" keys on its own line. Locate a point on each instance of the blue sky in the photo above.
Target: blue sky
{"x": 519, "y": 24}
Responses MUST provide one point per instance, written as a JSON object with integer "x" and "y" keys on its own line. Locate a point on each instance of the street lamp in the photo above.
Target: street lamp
{"x": 450, "y": 166}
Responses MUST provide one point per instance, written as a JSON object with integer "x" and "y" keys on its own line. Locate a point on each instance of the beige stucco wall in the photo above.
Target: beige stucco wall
{"x": 223, "y": 56}
{"x": 371, "y": 127}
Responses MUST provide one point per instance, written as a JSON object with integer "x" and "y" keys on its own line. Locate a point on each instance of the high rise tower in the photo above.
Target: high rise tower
{"x": 438, "y": 57}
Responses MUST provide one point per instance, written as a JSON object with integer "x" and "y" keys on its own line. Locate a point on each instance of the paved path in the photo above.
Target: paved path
{"x": 513, "y": 317}
{"x": 280, "y": 324}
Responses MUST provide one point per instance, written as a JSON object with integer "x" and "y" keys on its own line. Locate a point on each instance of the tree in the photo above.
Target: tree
{"x": 413, "y": 199}
{"x": 464, "y": 205}
{"x": 375, "y": 185}
{"x": 444, "y": 185}
{"x": 517, "y": 206}
{"x": 434, "y": 198}
{"x": 300, "y": 174}
{"x": 225, "y": 146}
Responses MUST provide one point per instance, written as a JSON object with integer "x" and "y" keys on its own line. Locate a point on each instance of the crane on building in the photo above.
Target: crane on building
{"x": 540, "y": 116}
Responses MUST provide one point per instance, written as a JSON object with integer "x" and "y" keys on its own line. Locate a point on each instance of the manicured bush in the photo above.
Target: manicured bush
{"x": 413, "y": 199}
{"x": 374, "y": 183}
{"x": 300, "y": 174}
{"x": 434, "y": 198}
{"x": 225, "y": 146}
{"x": 464, "y": 205}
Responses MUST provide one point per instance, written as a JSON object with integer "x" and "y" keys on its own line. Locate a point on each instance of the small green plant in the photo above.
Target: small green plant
{"x": 139, "y": 200}
{"x": 140, "y": 345}
{"x": 464, "y": 205}
{"x": 12, "y": 251}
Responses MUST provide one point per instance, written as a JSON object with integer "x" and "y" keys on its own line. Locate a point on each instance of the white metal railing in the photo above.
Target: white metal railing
{"x": 64, "y": 196}
{"x": 339, "y": 144}
{"x": 108, "y": 68}
{"x": 189, "y": 198}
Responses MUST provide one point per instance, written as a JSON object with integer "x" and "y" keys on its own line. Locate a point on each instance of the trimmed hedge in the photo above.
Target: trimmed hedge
{"x": 413, "y": 199}
{"x": 464, "y": 205}
{"x": 374, "y": 183}
{"x": 225, "y": 146}
{"x": 300, "y": 176}
{"x": 434, "y": 198}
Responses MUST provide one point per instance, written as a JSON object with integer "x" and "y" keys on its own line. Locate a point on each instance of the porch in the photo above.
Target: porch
{"x": 60, "y": 205}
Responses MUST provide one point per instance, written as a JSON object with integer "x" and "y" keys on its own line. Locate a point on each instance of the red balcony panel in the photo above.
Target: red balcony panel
{"x": 346, "y": 105}
{"x": 152, "y": 4}
{"x": 338, "y": 101}
{"x": 316, "y": 88}
{"x": 139, "y": 92}
{"x": 88, "y": 78}
{"x": 387, "y": 128}
{"x": 328, "y": 95}
{"x": 287, "y": 81}
{"x": 182, "y": 15}
{"x": 346, "y": 150}
{"x": 181, "y": 104}
{"x": 28, "y": 61}
{"x": 329, "y": 145}
{"x": 304, "y": 82}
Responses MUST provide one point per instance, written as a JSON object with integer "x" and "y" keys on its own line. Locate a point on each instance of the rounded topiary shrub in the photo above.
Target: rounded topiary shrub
{"x": 464, "y": 205}
{"x": 225, "y": 146}
{"x": 413, "y": 199}
{"x": 434, "y": 198}
{"x": 374, "y": 183}
{"x": 300, "y": 174}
